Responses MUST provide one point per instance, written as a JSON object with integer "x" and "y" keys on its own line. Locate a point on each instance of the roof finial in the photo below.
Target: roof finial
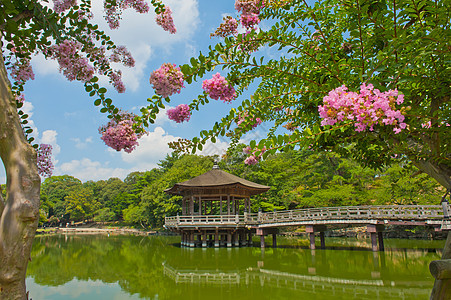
{"x": 215, "y": 165}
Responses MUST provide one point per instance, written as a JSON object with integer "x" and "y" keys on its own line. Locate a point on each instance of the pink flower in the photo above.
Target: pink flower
{"x": 227, "y": 28}
{"x": 165, "y": 20}
{"x": 120, "y": 135}
{"x": 244, "y": 116}
{"x": 251, "y": 160}
{"x": 20, "y": 98}
{"x": 44, "y": 160}
{"x": 180, "y": 113}
{"x": 167, "y": 80}
{"x": 21, "y": 70}
{"x": 122, "y": 55}
{"x": 249, "y": 20}
{"x": 113, "y": 12}
{"x": 218, "y": 88}
{"x": 368, "y": 108}
{"x": 73, "y": 66}
{"x": 60, "y": 6}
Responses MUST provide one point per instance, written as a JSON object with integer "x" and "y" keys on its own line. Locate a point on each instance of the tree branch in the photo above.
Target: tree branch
{"x": 26, "y": 14}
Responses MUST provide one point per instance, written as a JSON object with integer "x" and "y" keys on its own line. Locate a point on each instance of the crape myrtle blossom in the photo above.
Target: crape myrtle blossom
{"x": 21, "y": 70}
{"x": 218, "y": 88}
{"x": 227, "y": 28}
{"x": 254, "y": 158}
{"x": 368, "y": 108}
{"x": 122, "y": 55}
{"x": 44, "y": 160}
{"x": 72, "y": 65}
{"x": 250, "y": 10}
{"x": 120, "y": 134}
{"x": 60, "y": 6}
{"x": 164, "y": 19}
{"x": 180, "y": 113}
{"x": 167, "y": 80}
{"x": 113, "y": 10}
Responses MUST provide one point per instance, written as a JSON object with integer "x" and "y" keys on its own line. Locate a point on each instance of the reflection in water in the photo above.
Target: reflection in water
{"x": 153, "y": 267}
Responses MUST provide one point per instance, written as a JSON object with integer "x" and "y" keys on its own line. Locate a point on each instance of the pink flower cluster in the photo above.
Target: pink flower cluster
{"x": 243, "y": 116}
{"x": 120, "y": 135}
{"x": 180, "y": 113}
{"x": 250, "y": 9}
{"x": 21, "y": 70}
{"x": 218, "y": 88}
{"x": 44, "y": 160}
{"x": 60, "y": 6}
{"x": 253, "y": 159}
{"x": 122, "y": 55}
{"x": 227, "y": 28}
{"x": 113, "y": 10}
{"x": 116, "y": 81}
{"x": 368, "y": 108}
{"x": 164, "y": 19}
{"x": 167, "y": 80}
{"x": 73, "y": 66}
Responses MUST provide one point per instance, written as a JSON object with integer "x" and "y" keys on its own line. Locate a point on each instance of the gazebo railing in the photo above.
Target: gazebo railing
{"x": 204, "y": 220}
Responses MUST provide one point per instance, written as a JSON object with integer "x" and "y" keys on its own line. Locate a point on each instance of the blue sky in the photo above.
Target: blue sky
{"x": 63, "y": 115}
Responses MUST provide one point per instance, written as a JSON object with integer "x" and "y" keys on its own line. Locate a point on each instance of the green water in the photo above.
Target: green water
{"x": 155, "y": 267}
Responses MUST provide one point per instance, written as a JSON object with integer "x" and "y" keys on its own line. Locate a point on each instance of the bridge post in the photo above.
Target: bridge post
{"x": 274, "y": 240}
{"x": 204, "y": 239}
{"x": 311, "y": 229}
{"x": 375, "y": 232}
{"x": 262, "y": 241}
{"x": 229, "y": 240}
{"x": 249, "y": 239}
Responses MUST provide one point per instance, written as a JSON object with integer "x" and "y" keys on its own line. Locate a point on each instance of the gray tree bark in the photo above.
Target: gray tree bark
{"x": 19, "y": 212}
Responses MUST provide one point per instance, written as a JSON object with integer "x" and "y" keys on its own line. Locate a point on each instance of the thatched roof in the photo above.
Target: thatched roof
{"x": 217, "y": 178}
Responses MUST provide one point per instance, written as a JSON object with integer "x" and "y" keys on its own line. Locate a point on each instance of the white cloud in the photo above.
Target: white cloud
{"x": 152, "y": 148}
{"x": 86, "y": 169}
{"x": 79, "y": 144}
{"x": 218, "y": 148}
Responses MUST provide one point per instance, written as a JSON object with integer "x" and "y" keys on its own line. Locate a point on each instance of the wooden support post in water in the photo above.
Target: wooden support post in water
{"x": 312, "y": 240}
{"x": 323, "y": 241}
{"x": 274, "y": 240}
{"x": 249, "y": 239}
{"x": 216, "y": 238}
{"x": 373, "y": 241}
{"x": 262, "y": 241}
{"x": 236, "y": 239}
{"x": 229, "y": 240}
{"x": 380, "y": 240}
{"x": 204, "y": 239}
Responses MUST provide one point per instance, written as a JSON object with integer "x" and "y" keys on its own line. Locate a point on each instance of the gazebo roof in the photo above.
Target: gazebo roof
{"x": 217, "y": 178}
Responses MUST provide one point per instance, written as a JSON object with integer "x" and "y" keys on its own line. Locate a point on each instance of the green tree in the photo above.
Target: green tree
{"x": 80, "y": 204}
{"x": 53, "y": 192}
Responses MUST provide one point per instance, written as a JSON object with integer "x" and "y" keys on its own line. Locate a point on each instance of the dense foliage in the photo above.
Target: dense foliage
{"x": 298, "y": 179}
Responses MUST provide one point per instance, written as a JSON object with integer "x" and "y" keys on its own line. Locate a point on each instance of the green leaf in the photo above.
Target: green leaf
{"x": 97, "y": 102}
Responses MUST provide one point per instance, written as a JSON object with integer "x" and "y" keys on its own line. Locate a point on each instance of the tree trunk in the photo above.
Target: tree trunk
{"x": 19, "y": 212}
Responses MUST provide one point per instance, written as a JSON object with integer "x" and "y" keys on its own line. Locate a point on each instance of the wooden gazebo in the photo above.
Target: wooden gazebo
{"x": 214, "y": 206}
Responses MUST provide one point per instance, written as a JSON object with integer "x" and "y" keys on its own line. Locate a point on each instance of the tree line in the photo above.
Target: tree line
{"x": 298, "y": 179}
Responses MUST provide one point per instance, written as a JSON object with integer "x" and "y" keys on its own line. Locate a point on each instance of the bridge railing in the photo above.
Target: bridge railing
{"x": 386, "y": 212}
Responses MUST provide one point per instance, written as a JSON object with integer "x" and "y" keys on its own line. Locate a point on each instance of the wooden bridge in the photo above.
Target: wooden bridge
{"x": 315, "y": 220}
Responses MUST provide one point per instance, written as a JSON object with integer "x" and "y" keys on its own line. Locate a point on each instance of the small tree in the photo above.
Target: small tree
{"x": 65, "y": 33}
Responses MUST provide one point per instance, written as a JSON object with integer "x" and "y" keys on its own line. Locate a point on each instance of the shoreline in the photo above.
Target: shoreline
{"x": 91, "y": 230}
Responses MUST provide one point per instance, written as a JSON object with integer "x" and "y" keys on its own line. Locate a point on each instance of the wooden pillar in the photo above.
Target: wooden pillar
{"x": 220, "y": 205}
{"x": 274, "y": 240}
{"x": 228, "y": 204}
{"x": 191, "y": 239}
{"x": 191, "y": 206}
{"x": 200, "y": 205}
{"x": 323, "y": 241}
{"x": 236, "y": 239}
{"x": 229, "y": 239}
{"x": 262, "y": 241}
{"x": 249, "y": 239}
{"x": 204, "y": 239}
{"x": 380, "y": 240}
{"x": 216, "y": 238}
{"x": 184, "y": 206}
{"x": 376, "y": 234}
{"x": 312, "y": 240}
{"x": 182, "y": 237}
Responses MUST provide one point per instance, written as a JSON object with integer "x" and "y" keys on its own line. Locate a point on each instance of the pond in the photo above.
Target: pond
{"x": 156, "y": 267}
